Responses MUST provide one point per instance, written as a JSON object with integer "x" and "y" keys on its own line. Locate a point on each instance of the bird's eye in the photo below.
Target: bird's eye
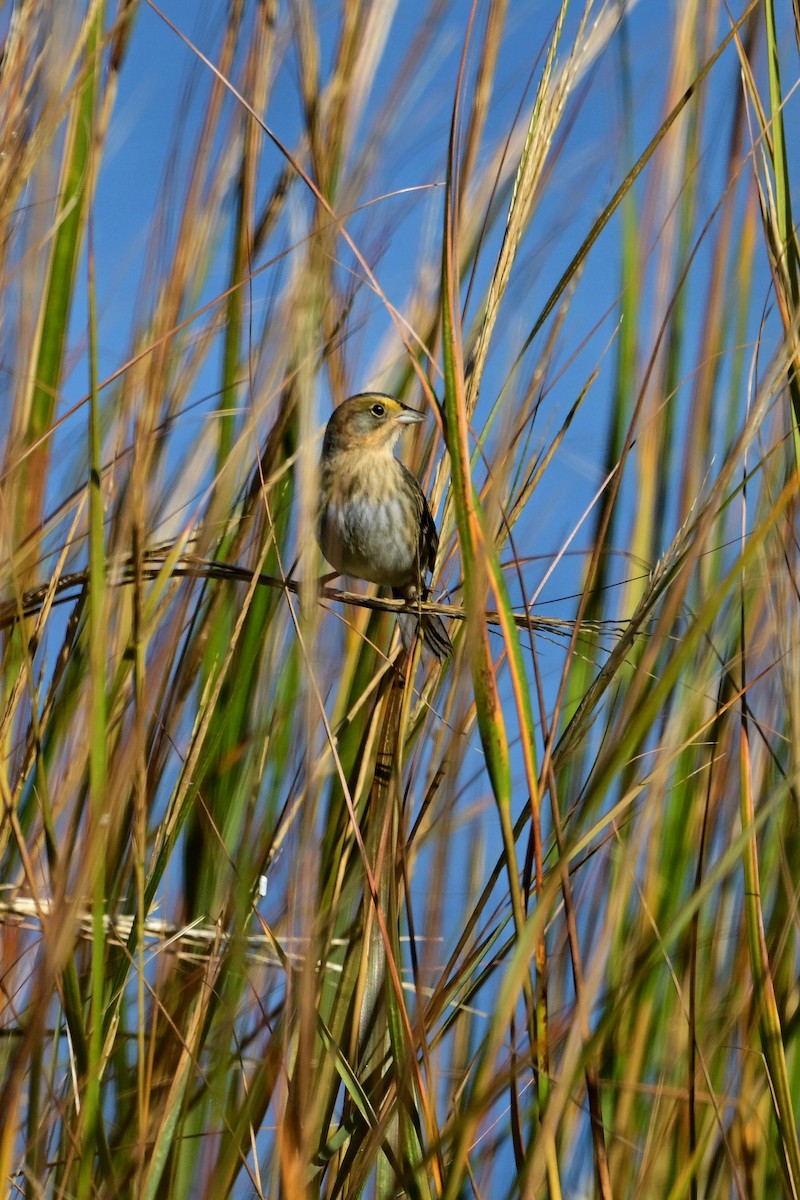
{"x": 378, "y": 410}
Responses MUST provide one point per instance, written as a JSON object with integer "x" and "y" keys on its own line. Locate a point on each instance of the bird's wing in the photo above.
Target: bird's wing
{"x": 428, "y": 537}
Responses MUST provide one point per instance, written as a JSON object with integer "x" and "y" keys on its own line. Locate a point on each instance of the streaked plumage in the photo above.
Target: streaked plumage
{"x": 374, "y": 521}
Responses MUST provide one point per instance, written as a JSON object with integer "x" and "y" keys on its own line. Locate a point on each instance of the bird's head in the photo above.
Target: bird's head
{"x": 369, "y": 420}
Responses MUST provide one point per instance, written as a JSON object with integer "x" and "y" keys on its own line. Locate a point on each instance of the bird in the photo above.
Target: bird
{"x": 374, "y": 521}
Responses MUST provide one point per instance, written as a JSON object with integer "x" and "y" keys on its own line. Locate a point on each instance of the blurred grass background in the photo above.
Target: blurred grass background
{"x": 279, "y": 915}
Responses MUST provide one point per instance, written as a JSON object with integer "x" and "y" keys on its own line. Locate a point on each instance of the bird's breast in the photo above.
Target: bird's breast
{"x": 369, "y": 524}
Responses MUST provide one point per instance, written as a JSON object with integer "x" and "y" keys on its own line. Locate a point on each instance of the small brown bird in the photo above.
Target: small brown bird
{"x": 374, "y": 521}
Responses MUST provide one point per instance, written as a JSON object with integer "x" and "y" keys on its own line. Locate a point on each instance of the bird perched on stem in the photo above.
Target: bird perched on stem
{"x": 374, "y": 521}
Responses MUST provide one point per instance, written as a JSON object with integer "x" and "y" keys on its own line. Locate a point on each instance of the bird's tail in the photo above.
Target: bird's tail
{"x": 434, "y": 634}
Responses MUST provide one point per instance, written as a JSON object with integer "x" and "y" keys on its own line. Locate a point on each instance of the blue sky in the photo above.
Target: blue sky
{"x": 162, "y": 82}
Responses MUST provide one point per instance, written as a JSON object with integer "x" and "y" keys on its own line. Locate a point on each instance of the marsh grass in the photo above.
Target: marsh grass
{"x": 283, "y": 914}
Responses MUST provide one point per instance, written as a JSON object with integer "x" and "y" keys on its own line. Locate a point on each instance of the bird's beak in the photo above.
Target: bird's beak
{"x": 409, "y": 416}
